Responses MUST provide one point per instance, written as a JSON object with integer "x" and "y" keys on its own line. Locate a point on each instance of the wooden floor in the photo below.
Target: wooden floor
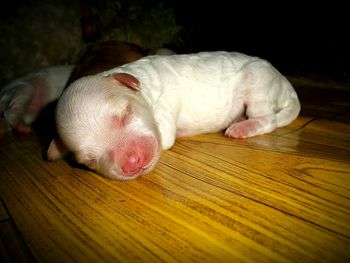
{"x": 280, "y": 197}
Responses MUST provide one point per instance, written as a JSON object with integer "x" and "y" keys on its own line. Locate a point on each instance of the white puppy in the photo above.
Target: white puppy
{"x": 118, "y": 121}
{"x": 22, "y": 99}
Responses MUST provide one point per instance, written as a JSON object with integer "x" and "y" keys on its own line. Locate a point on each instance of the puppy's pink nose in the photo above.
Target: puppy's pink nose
{"x": 133, "y": 164}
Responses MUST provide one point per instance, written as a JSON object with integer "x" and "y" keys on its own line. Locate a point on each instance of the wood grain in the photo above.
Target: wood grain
{"x": 280, "y": 197}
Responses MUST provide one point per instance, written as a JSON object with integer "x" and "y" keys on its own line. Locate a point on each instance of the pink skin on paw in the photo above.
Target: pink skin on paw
{"x": 243, "y": 129}
{"x": 21, "y": 127}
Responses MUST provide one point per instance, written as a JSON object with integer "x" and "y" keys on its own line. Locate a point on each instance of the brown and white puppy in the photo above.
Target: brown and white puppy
{"x": 117, "y": 122}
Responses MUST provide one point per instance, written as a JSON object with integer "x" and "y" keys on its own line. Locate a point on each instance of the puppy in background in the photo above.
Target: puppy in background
{"x": 22, "y": 99}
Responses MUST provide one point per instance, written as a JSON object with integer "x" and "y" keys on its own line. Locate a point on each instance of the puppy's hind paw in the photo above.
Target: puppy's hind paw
{"x": 251, "y": 127}
{"x": 238, "y": 131}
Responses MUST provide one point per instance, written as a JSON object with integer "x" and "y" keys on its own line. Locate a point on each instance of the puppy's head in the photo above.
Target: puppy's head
{"x": 108, "y": 126}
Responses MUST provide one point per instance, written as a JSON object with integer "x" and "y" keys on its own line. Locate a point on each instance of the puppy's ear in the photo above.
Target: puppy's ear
{"x": 57, "y": 150}
{"x": 128, "y": 80}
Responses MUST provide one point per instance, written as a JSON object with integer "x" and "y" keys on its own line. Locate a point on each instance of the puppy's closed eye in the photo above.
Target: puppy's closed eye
{"x": 120, "y": 121}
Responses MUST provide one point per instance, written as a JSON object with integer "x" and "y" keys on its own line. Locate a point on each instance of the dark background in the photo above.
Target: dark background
{"x": 296, "y": 37}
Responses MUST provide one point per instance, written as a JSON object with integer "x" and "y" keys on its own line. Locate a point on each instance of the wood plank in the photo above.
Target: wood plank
{"x": 274, "y": 198}
{"x": 279, "y": 197}
{"x": 3, "y": 212}
{"x": 12, "y": 248}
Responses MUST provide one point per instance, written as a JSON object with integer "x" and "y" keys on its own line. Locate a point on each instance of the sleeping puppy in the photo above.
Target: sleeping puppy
{"x": 22, "y": 99}
{"x": 118, "y": 121}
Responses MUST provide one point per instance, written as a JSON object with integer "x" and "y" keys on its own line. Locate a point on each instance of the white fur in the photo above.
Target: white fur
{"x": 179, "y": 95}
{"x": 206, "y": 92}
{"x": 16, "y": 95}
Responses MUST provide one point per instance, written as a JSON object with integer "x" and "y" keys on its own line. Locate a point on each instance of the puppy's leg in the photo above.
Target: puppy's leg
{"x": 166, "y": 125}
{"x": 261, "y": 119}
{"x": 13, "y": 111}
{"x": 262, "y": 84}
{"x": 167, "y": 133}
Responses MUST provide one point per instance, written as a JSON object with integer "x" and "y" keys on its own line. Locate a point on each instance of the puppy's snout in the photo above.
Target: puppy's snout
{"x": 133, "y": 163}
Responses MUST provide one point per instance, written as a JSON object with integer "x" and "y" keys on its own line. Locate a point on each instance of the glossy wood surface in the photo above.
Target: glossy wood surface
{"x": 279, "y": 197}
